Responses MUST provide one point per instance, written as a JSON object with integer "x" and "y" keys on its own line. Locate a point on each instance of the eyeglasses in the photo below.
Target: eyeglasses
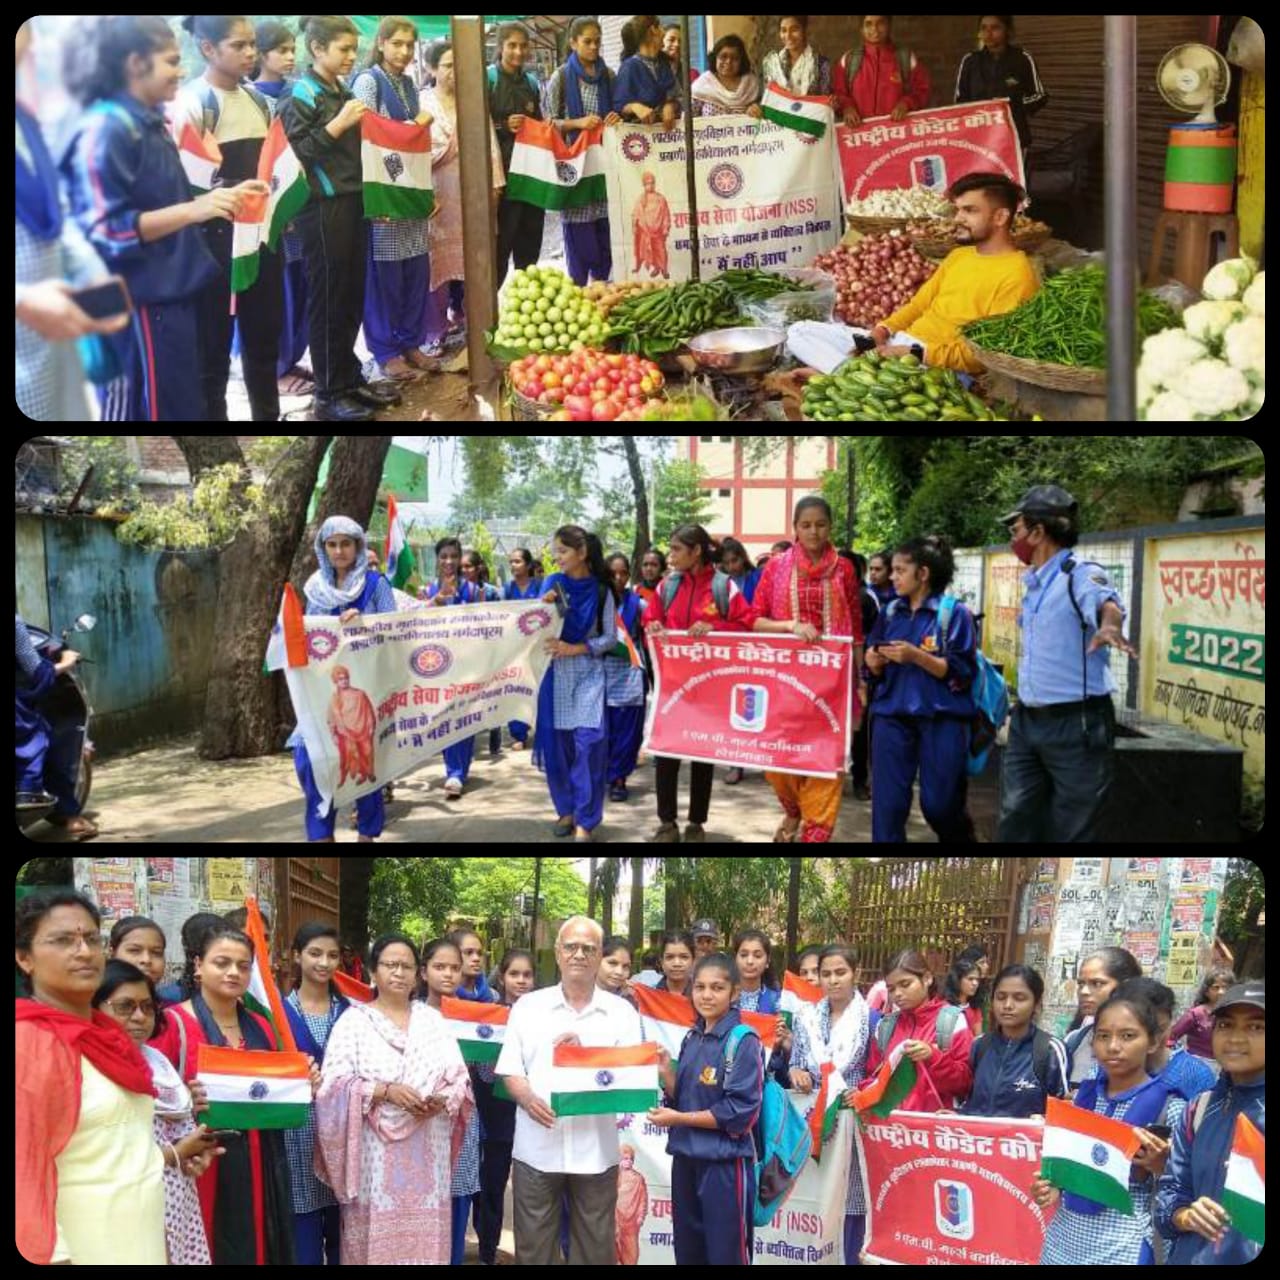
{"x": 396, "y": 966}
{"x": 71, "y": 942}
{"x": 127, "y": 1008}
{"x": 573, "y": 948}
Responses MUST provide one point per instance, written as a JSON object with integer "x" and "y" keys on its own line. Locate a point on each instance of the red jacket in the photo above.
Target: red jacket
{"x": 946, "y": 1078}
{"x": 695, "y": 602}
{"x": 878, "y": 87}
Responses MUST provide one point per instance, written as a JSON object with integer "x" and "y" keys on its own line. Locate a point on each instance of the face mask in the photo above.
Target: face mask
{"x": 1023, "y": 550}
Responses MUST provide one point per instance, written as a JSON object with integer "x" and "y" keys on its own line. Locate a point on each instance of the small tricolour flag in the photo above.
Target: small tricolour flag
{"x": 282, "y": 171}
{"x": 396, "y": 156}
{"x": 798, "y": 994}
{"x": 765, "y": 1025}
{"x": 254, "y": 1090}
{"x": 792, "y": 111}
{"x": 201, "y": 158}
{"x": 247, "y": 235}
{"x": 478, "y": 1028}
{"x": 399, "y": 554}
{"x": 665, "y": 1018}
{"x": 263, "y": 996}
{"x": 892, "y": 1084}
{"x": 826, "y": 1109}
{"x": 604, "y": 1082}
{"x": 551, "y": 173}
{"x": 626, "y": 645}
{"x": 353, "y": 988}
{"x": 288, "y": 644}
{"x": 1244, "y": 1196}
{"x": 1088, "y": 1154}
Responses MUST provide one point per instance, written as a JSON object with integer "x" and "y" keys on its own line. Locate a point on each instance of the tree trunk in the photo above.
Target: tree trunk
{"x": 592, "y": 888}
{"x": 355, "y": 875}
{"x": 793, "y": 912}
{"x": 241, "y": 717}
{"x": 637, "y": 902}
{"x": 355, "y": 475}
{"x": 203, "y": 453}
{"x": 643, "y": 541}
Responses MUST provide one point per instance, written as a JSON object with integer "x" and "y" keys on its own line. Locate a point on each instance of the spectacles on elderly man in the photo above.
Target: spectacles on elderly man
{"x": 589, "y": 952}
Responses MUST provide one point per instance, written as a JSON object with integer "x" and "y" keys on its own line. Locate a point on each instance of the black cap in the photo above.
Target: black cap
{"x": 1045, "y": 501}
{"x": 705, "y": 929}
{"x": 1254, "y": 993}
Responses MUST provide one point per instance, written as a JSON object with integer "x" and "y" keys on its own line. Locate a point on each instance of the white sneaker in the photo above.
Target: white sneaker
{"x": 453, "y": 789}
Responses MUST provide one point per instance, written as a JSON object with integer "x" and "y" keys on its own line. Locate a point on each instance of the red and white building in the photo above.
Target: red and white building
{"x": 755, "y": 504}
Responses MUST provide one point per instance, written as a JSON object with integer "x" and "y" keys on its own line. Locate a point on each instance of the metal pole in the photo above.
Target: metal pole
{"x": 1121, "y": 114}
{"x": 686, "y": 97}
{"x": 478, "y": 248}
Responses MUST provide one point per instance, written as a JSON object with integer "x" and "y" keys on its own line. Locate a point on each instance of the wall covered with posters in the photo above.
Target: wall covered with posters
{"x": 1163, "y": 910}
{"x": 168, "y": 890}
{"x": 1204, "y": 638}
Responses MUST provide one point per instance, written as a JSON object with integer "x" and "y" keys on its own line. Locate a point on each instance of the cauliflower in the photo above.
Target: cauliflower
{"x": 1228, "y": 280}
{"x": 1255, "y": 296}
{"x": 1245, "y": 346}
{"x": 1208, "y": 321}
{"x": 1164, "y": 355}
{"x": 1211, "y": 387}
{"x": 1168, "y": 406}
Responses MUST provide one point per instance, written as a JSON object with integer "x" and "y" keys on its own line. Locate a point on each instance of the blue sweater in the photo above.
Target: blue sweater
{"x": 1005, "y": 1082}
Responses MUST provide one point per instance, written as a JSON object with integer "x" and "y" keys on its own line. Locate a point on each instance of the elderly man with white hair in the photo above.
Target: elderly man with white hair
{"x": 574, "y": 1158}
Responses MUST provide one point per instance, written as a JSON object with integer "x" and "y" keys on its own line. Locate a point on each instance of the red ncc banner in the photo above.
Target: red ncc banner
{"x": 758, "y": 702}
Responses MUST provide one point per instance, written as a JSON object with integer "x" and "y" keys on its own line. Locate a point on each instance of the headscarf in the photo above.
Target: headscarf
{"x": 322, "y": 587}
{"x": 710, "y": 88}
{"x": 37, "y": 204}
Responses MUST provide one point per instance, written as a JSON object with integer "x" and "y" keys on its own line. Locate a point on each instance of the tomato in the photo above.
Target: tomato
{"x": 634, "y": 390}
{"x": 579, "y": 407}
{"x": 531, "y": 389}
{"x": 615, "y": 361}
{"x": 556, "y": 396}
{"x": 605, "y": 411}
{"x": 562, "y": 416}
{"x": 551, "y": 380}
{"x": 582, "y": 387}
{"x": 543, "y": 364}
{"x": 647, "y": 386}
{"x": 603, "y": 385}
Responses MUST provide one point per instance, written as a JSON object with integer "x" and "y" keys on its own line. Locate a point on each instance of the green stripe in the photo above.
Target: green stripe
{"x": 1091, "y": 1183}
{"x": 251, "y": 1002}
{"x": 1200, "y": 164}
{"x": 545, "y": 195}
{"x": 244, "y": 272}
{"x": 291, "y": 204}
{"x": 1248, "y": 1217}
{"x": 399, "y": 203}
{"x": 620, "y": 1102}
{"x": 901, "y": 1083}
{"x": 256, "y": 1115}
{"x": 479, "y": 1050}
{"x": 801, "y": 123}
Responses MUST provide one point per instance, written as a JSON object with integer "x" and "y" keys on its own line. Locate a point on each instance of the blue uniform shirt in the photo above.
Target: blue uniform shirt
{"x": 910, "y": 690}
{"x": 732, "y": 1094}
{"x": 1049, "y": 668}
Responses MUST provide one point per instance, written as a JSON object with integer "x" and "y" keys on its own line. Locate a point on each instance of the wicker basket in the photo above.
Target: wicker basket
{"x": 525, "y": 410}
{"x": 936, "y": 249}
{"x": 1057, "y": 377}
{"x": 873, "y": 226}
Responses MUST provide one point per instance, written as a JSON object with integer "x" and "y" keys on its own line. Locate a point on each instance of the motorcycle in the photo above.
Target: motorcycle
{"x": 66, "y": 708}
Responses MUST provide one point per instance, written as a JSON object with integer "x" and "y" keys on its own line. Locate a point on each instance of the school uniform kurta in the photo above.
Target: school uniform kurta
{"x": 625, "y": 697}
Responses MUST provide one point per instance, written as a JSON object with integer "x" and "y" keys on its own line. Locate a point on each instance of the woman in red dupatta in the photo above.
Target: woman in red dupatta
{"x": 811, "y": 592}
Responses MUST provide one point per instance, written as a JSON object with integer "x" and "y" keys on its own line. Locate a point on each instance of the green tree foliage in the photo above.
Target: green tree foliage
{"x": 114, "y": 483}
{"x": 680, "y": 499}
{"x": 210, "y": 516}
{"x": 490, "y": 888}
{"x": 416, "y": 895}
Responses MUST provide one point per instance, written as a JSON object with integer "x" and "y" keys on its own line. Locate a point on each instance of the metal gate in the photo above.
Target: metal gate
{"x": 306, "y": 890}
{"x": 937, "y": 906}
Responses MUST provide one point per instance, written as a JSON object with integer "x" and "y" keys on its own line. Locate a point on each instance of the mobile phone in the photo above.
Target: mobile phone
{"x": 221, "y": 1135}
{"x": 105, "y": 299}
{"x": 1161, "y": 1131}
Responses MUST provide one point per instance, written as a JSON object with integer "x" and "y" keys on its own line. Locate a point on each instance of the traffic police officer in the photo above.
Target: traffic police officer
{"x": 1059, "y": 764}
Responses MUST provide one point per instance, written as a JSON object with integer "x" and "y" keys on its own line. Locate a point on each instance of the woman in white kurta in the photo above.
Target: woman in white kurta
{"x": 392, "y": 1109}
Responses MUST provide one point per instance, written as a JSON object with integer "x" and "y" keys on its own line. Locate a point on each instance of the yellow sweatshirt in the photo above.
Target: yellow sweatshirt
{"x": 965, "y": 287}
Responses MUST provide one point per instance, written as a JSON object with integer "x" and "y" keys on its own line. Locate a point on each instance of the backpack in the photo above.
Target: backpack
{"x": 783, "y": 1141}
{"x": 211, "y": 109}
{"x": 720, "y": 592}
{"x": 530, "y": 78}
{"x": 888, "y": 1024}
{"x": 1041, "y": 1056}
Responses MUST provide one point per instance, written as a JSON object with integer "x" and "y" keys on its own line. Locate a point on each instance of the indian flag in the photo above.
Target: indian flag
{"x": 353, "y": 988}
{"x": 201, "y": 158}
{"x": 604, "y": 1082}
{"x": 478, "y": 1028}
{"x": 626, "y": 646}
{"x": 397, "y": 168}
{"x": 282, "y": 171}
{"x": 288, "y": 644}
{"x": 254, "y": 1090}
{"x": 263, "y": 996}
{"x": 549, "y": 172}
{"x": 798, "y": 994}
{"x": 399, "y": 555}
{"x": 246, "y": 239}
{"x": 664, "y": 1017}
{"x": 1245, "y": 1195}
{"x": 826, "y": 1109}
{"x": 891, "y": 1086}
{"x": 765, "y": 1026}
{"x": 1089, "y": 1155}
{"x": 809, "y": 115}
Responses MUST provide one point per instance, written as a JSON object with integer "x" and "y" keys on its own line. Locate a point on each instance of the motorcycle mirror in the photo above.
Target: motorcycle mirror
{"x": 86, "y": 622}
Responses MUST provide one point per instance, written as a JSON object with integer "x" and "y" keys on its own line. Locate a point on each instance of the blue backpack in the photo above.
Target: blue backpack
{"x": 783, "y": 1141}
{"x": 990, "y": 695}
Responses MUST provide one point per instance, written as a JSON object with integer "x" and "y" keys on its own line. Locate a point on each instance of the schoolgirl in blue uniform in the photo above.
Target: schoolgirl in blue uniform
{"x": 277, "y": 49}
{"x": 452, "y": 588}
{"x": 130, "y": 195}
{"x": 715, "y": 1097}
{"x": 322, "y": 121}
{"x": 624, "y": 685}
{"x": 923, "y": 701}
{"x": 343, "y": 586}
{"x": 237, "y": 117}
{"x": 525, "y": 584}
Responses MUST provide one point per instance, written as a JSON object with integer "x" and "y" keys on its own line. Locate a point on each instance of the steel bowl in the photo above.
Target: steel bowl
{"x": 744, "y": 350}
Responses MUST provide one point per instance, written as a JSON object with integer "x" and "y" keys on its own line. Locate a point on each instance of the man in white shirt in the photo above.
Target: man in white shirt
{"x": 576, "y": 1158}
